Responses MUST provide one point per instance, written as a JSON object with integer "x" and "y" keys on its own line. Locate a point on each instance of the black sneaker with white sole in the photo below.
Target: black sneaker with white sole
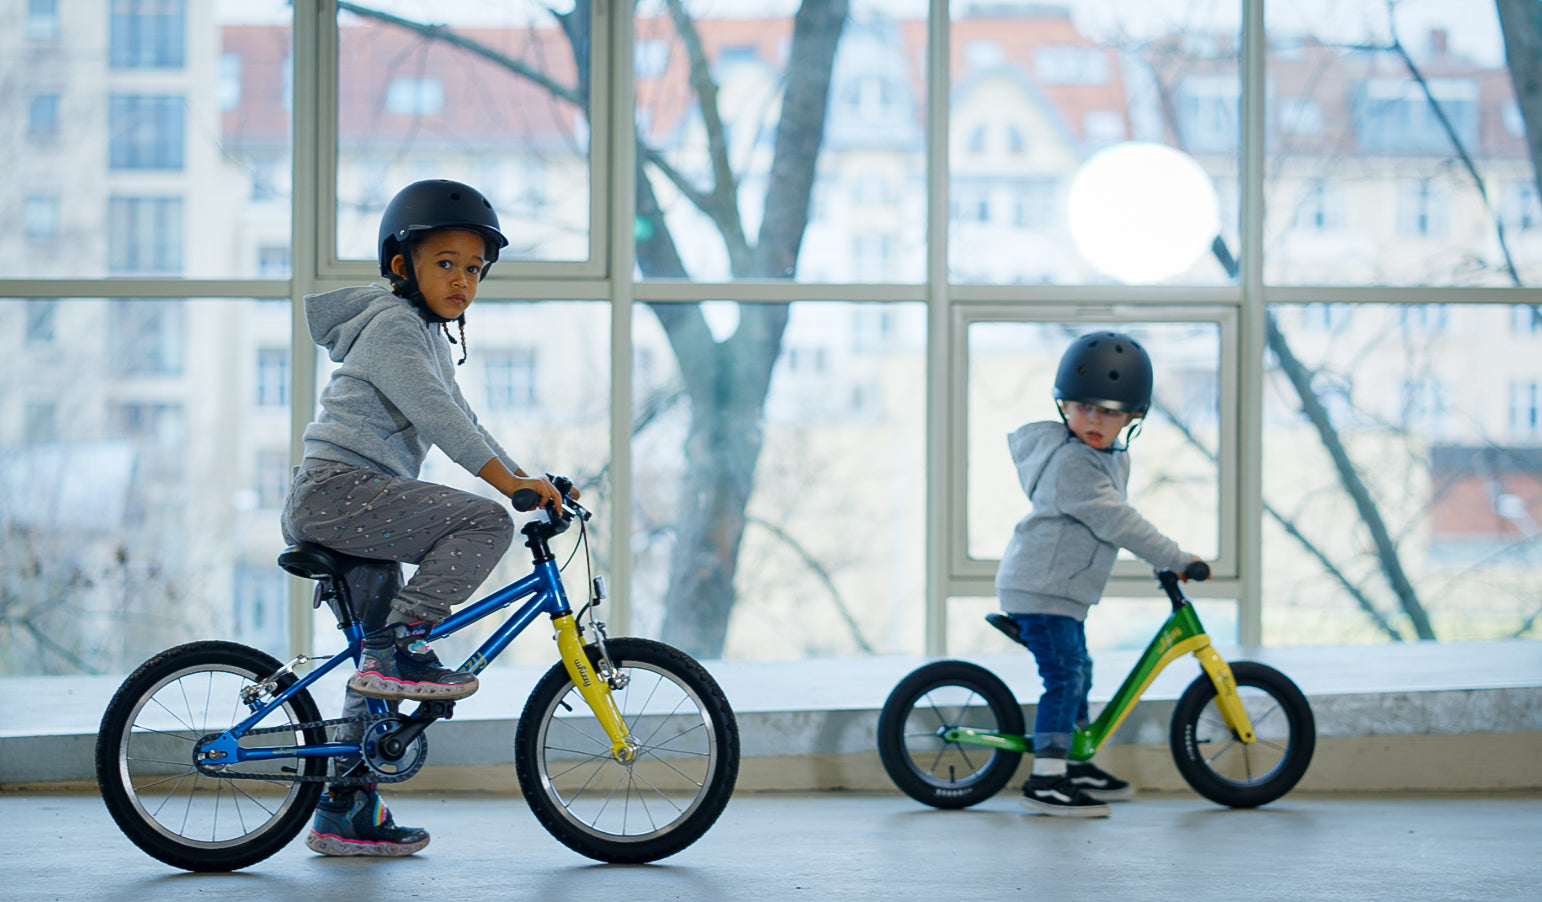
{"x": 1059, "y": 797}
{"x": 1099, "y": 784}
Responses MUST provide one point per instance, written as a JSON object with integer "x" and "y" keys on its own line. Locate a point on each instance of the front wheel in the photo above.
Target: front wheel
{"x": 1223, "y": 768}
{"x": 925, "y": 705}
{"x": 667, "y": 795}
{"x": 162, "y": 801}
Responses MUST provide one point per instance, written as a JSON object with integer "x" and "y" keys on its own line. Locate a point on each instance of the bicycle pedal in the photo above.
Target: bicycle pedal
{"x": 1006, "y": 626}
{"x": 434, "y": 710}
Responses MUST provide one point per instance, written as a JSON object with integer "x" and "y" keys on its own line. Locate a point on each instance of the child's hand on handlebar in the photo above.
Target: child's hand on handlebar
{"x": 542, "y": 487}
{"x": 1197, "y": 570}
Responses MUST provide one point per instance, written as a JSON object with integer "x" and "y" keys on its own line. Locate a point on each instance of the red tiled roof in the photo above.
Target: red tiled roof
{"x": 483, "y": 102}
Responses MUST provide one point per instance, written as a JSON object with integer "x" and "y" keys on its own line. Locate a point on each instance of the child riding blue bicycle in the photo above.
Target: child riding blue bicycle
{"x": 357, "y": 492}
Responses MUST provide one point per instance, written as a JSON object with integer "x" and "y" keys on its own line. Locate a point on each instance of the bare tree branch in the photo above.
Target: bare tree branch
{"x": 723, "y": 208}
{"x": 447, "y": 35}
{"x": 1349, "y": 477}
{"x": 824, "y": 578}
{"x": 1288, "y": 524}
{"x": 1456, "y": 143}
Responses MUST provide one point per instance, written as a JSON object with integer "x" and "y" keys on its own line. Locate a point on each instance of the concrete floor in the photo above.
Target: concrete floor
{"x": 841, "y": 846}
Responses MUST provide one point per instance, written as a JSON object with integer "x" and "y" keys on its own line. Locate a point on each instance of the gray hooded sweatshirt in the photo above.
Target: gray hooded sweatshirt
{"x": 1062, "y": 554}
{"x": 395, "y": 394}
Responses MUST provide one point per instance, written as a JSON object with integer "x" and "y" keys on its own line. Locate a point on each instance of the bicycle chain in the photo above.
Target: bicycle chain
{"x": 207, "y": 767}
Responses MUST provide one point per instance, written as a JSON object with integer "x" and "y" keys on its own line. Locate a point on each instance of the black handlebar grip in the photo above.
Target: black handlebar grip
{"x": 525, "y": 500}
{"x": 1199, "y": 571}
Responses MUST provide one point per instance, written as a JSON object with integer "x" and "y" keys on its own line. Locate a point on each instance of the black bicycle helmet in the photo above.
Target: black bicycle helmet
{"x": 437, "y": 204}
{"x": 1109, "y": 369}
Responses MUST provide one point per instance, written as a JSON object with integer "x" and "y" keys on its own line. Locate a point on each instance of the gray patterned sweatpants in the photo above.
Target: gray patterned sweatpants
{"x": 455, "y": 538}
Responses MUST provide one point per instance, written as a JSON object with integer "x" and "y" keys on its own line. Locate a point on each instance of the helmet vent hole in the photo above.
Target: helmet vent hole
{"x": 1113, "y": 375}
{"x": 1118, "y": 349}
{"x": 454, "y": 195}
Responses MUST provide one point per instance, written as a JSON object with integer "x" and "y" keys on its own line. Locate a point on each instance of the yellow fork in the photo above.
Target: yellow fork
{"x": 1226, "y": 697}
{"x": 596, "y": 691}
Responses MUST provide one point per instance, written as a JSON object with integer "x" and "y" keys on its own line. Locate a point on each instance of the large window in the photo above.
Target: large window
{"x": 125, "y": 159}
{"x": 806, "y": 157}
{"x": 126, "y": 462}
{"x": 778, "y": 506}
{"x": 498, "y": 97}
{"x": 1175, "y": 473}
{"x": 1414, "y": 133}
{"x": 1402, "y": 475}
{"x": 819, "y": 269}
{"x": 1038, "y": 90}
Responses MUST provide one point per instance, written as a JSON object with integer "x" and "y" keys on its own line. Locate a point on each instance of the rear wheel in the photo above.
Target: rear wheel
{"x": 926, "y": 704}
{"x": 671, "y": 791}
{"x": 1223, "y": 768}
{"x": 165, "y": 804}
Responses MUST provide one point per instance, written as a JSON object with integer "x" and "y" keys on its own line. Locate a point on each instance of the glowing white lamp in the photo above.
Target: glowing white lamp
{"x": 1142, "y": 212}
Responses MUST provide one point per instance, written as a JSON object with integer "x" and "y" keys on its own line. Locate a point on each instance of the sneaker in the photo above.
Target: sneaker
{"x": 1059, "y": 797}
{"x": 1099, "y": 784}
{"x": 409, "y": 669}
{"x": 354, "y": 821}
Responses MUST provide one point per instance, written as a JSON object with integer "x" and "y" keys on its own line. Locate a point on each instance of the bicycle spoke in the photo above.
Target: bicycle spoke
{"x": 599, "y": 766}
{"x": 1221, "y": 751}
{"x": 667, "y": 763}
{"x": 658, "y": 792}
{"x": 694, "y": 728}
{"x": 599, "y": 760}
{"x": 664, "y": 719}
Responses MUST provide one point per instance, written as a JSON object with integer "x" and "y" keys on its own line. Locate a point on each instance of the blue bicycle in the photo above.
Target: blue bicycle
{"x": 212, "y": 755}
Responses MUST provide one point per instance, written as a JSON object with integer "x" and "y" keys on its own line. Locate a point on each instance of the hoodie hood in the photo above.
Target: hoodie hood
{"x": 1033, "y": 445}
{"x": 336, "y": 319}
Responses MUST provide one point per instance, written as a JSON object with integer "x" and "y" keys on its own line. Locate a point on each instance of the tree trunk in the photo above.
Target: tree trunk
{"x": 1521, "y": 22}
{"x": 728, "y": 381}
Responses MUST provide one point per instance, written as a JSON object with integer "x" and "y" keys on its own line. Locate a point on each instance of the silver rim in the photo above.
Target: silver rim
{"x": 156, "y": 770}
{"x": 664, "y": 785}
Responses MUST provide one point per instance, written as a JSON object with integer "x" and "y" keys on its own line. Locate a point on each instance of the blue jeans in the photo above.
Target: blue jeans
{"x": 1059, "y": 646}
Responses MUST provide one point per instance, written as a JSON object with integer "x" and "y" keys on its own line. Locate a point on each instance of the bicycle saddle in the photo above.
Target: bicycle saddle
{"x": 308, "y": 560}
{"x": 1007, "y": 626}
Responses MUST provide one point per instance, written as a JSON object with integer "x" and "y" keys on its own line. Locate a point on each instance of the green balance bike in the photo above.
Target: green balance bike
{"x": 951, "y": 733}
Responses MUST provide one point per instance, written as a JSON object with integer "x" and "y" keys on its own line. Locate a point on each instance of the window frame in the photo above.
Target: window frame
{"x": 969, "y": 576}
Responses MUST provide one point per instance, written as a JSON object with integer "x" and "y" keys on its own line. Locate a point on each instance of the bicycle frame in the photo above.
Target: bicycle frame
{"x": 1181, "y": 634}
{"x": 546, "y": 596}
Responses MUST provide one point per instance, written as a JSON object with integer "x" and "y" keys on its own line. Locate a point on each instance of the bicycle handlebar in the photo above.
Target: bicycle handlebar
{"x": 1199, "y": 571}
{"x": 526, "y": 500}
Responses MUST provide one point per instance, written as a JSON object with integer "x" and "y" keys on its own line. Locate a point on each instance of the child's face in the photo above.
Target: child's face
{"x": 1094, "y": 425}
{"x": 448, "y": 264}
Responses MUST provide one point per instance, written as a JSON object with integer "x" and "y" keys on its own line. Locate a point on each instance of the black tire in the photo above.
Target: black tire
{"x": 144, "y": 760}
{"x": 674, "y": 788}
{"x": 1226, "y": 770}
{"x": 932, "y": 699}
